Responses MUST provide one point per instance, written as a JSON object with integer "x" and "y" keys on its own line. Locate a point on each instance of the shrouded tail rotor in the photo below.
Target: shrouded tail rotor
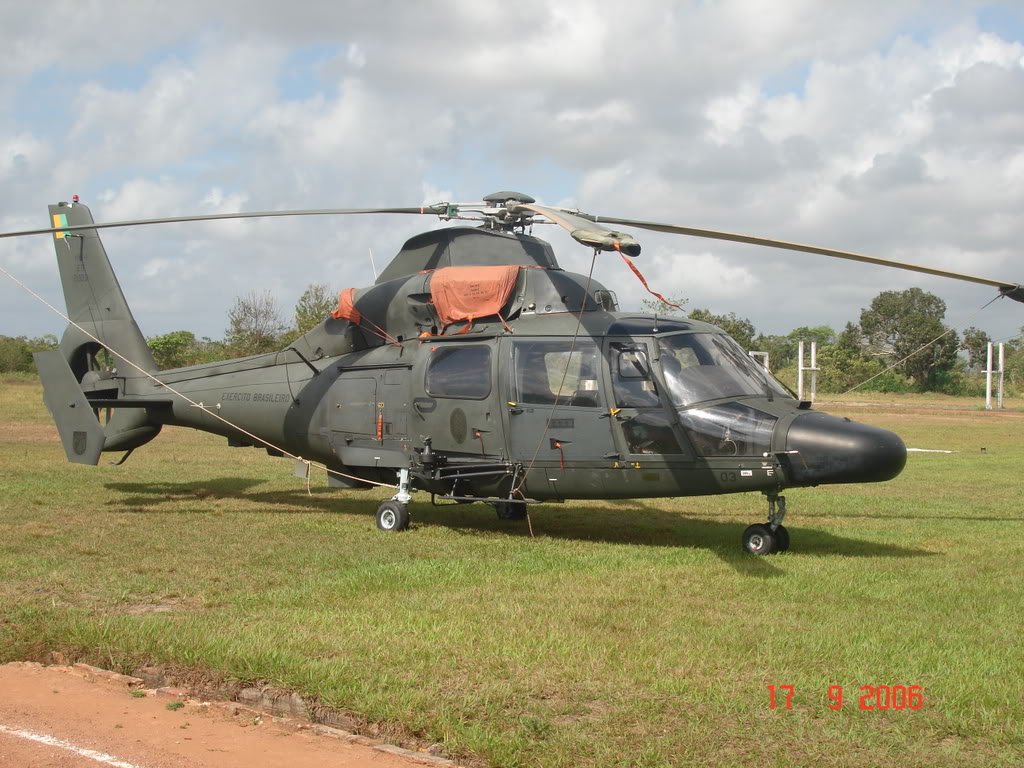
{"x": 101, "y": 331}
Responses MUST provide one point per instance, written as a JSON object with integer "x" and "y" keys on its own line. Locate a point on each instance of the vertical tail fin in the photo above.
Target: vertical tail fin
{"x": 96, "y": 304}
{"x": 93, "y": 297}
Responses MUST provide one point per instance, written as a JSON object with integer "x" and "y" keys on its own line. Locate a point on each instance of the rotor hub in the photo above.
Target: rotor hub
{"x": 500, "y": 213}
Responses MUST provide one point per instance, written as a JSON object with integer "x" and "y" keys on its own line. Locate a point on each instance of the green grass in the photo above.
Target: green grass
{"x": 625, "y": 633}
{"x": 920, "y": 399}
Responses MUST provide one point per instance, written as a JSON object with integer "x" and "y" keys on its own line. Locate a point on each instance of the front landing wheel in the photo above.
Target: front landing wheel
{"x": 758, "y": 539}
{"x": 392, "y": 516}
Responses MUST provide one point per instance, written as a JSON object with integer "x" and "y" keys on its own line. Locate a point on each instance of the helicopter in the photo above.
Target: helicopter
{"x": 474, "y": 369}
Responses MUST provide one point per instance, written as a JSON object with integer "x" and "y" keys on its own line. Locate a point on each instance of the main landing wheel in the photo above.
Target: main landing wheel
{"x": 392, "y": 516}
{"x": 510, "y": 510}
{"x": 758, "y": 539}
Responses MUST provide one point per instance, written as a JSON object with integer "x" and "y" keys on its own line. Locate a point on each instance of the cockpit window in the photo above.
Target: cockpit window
{"x": 608, "y": 301}
{"x": 650, "y": 432}
{"x": 708, "y": 366}
{"x": 631, "y": 376}
{"x": 732, "y": 429}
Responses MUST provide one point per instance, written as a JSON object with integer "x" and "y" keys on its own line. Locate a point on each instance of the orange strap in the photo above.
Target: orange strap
{"x": 636, "y": 272}
{"x": 467, "y": 329}
{"x": 561, "y": 454}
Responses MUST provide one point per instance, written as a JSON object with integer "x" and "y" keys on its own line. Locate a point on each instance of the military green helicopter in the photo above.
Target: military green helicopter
{"x": 474, "y": 369}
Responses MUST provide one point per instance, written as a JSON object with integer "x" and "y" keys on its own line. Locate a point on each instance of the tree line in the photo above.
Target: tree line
{"x": 894, "y": 329}
{"x": 255, "y": 325}
{"x": 900, "y": 343}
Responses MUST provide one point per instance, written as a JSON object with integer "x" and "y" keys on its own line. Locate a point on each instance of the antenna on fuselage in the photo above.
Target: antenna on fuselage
{"x": 372, "y": 264}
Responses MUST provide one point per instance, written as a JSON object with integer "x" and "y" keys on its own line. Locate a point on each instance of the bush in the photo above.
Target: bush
{"x": 179, "y": 349}
{"x": 960, "y": 383}
{"x": 787, "y": 376}
{"x": 890, "y": 381}
{"x": 842, "y": 370}
{"x": 16, "y": 352}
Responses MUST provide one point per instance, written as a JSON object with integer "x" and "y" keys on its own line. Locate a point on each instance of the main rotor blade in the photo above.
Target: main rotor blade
{"x": 431, "y": 210}
{"x": 1012, "y": 290}
{"x": 582, "y": 230}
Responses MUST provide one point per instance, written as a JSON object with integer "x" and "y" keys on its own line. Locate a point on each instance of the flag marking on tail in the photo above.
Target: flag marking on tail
{"x": 60, "y": 220}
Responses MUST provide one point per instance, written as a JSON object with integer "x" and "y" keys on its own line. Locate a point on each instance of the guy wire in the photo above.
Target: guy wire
{"x": 919, "y": 349}
{"x": 186, "y": 398}
{"x": 558, "y": 394}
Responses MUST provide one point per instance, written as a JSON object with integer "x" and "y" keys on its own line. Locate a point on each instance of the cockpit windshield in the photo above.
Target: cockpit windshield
{"x": 709, "y": 366}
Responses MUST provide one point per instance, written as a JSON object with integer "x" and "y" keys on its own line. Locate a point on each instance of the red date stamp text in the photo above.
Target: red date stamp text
{"x": 870, "y": 697}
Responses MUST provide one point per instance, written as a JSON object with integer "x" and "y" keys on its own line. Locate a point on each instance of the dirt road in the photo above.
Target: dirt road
{"x": 67, "y": 717}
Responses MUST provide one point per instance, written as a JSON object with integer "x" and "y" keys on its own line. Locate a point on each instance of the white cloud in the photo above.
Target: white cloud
{"x": 356, "y": 56}
{"x": 615, "y": 111}
{"x": 898, "y": 129}
{"x": 701, "y": 276}
{"x": 729, "y": 114}
{"x": 22, "y": 154}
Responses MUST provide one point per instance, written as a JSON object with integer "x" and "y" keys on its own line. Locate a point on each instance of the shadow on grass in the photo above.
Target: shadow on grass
{"x": 658, "y": 528}
{"x": 629, "y": 523}
{"x": 154, "y": 494}
{"x": 811, "y": 514}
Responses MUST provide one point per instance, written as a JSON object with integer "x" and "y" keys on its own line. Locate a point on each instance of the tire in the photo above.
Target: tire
{"x": 392, "y": 516}
{"x": 510, "y": 510}
{"x": 781, "y": 539}
{"x": 758, "y": 539}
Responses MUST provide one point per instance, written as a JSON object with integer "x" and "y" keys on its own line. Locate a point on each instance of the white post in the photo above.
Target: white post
{"x": 814, "y": 370}
{"x": 988, "y": 378}
{"x": 999, "y": 401}
{"x": 763, "y": 357}
{"x": 800, "y": 371}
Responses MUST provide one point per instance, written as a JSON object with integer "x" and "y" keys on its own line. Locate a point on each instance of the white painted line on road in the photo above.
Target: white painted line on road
{"x": 100, "y": 757}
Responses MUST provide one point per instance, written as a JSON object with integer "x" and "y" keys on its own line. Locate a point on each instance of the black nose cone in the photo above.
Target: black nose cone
{"x": 834, "y": 450}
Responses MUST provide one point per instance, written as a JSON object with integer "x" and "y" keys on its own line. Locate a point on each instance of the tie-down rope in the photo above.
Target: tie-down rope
{"x": 309, "y": 464}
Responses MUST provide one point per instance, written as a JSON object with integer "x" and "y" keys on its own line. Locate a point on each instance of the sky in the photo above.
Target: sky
{"x": 891, "y": 128}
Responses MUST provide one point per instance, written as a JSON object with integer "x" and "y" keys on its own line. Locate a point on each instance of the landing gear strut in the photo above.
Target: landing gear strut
{"x": 393, "y": 514}
{"x": 771, "y": 537}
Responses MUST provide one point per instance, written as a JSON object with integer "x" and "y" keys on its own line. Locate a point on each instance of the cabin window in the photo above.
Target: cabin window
{"x": 546, "y": 370}
{"x": 458, "y": 371}
{"x": 634, "y": 387}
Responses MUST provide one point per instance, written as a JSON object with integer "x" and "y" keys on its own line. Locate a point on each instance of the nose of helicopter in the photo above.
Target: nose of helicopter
{"x": 835, "y": 450}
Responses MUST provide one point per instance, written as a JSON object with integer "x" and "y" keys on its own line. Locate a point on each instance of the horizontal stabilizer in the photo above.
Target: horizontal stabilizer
{"x": 79, "y": 429}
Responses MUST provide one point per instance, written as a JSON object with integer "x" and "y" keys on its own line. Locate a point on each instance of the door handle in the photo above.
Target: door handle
{"x": 424, "y": 405}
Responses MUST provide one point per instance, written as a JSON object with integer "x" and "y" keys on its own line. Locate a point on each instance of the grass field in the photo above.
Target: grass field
{"x": 922, "y": 399}
{"x": 625, "y": 633}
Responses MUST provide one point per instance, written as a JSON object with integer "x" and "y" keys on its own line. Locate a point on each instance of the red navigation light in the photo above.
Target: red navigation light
{"x": 74, "y": 198}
